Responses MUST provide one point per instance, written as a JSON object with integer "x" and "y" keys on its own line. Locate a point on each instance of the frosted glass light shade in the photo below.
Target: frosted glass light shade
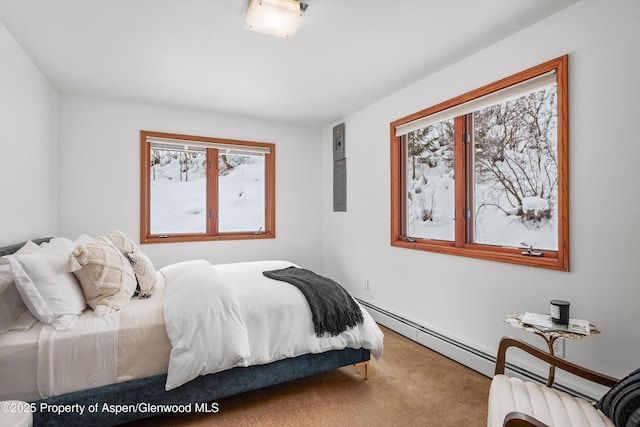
{"x": 280, "y": 18}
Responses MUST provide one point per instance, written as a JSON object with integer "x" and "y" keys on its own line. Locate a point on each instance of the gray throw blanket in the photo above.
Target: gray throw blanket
{"x": 332, "y": 308}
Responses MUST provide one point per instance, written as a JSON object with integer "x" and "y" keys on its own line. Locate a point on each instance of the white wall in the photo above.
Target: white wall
{"x": 465, "y": 298}
{"x": 28, "y": 140}
{"x": 100, "y": 178}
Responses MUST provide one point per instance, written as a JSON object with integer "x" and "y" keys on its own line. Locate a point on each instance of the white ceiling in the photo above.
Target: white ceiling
{"x": 197, "y": 54}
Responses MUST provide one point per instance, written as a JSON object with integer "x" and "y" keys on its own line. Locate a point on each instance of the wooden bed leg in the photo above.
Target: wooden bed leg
{"x": 366, "y": 368}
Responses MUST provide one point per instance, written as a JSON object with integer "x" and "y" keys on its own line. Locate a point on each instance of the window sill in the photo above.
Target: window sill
{"x": 550, "y": 260}
{"x": 205, "y": 238}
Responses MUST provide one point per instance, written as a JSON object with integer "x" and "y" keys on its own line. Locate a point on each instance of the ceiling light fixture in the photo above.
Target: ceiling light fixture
{"x": 280, "y": 18}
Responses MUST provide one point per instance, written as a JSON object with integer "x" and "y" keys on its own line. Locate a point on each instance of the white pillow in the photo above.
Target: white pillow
{"x": 50, "y": 293}
{"x": 14, "y": 315}
{"x": 11, "y": 305}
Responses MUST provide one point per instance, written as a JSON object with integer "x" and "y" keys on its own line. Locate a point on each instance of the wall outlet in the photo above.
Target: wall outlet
{"x": 366, "y": 284}
{"x": 558, "y": 347}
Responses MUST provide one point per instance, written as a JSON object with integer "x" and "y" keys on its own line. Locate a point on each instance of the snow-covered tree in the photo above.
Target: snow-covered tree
{"x": 516, "y": 155}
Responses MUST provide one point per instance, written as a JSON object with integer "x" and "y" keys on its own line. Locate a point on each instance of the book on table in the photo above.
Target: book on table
{"x": 544, "y": 323}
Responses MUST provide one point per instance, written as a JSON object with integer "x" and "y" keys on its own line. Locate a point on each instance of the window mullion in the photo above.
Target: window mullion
{"x": 460, "y": 181}
{"x": 469, "y": 179}
{"x": 403, "y": 184}
{"x": 212, "y": 191}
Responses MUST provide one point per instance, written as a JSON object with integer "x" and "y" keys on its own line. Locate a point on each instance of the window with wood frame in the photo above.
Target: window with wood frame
{"x": 485, "y": 174}
{"x": 200, "y": 188}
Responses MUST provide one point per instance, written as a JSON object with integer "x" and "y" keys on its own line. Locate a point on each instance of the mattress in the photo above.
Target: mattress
{"x": 19, "y": 364}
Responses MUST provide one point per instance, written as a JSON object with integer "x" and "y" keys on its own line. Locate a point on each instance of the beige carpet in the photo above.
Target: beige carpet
{"x": 409, "y": 386}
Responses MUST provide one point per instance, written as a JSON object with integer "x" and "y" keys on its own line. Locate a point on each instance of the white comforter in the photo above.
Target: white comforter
{"x": 223, "y": 316}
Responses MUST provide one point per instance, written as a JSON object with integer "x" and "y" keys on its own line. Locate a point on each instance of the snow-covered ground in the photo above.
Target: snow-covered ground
{"x": 179, "y": 206}
{"x": 493, "y": 226}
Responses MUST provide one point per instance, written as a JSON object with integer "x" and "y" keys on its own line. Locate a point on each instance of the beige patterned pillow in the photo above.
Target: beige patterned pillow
{"x": 145, "y": 272}
{"x": 105, "y": 275}
{"x": 142, "y": 265}
{"x": 122, "y": 241}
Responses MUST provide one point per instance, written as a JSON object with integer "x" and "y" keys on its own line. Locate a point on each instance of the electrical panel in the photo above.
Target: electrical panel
{"x": 340, "y": 186}
{"x": 339, "y": 170}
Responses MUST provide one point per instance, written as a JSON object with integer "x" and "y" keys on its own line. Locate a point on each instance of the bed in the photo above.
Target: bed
{"x": 138, "y": 361}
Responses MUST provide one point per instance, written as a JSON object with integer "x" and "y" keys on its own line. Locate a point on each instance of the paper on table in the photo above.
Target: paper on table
{"x": 543, "y": 321}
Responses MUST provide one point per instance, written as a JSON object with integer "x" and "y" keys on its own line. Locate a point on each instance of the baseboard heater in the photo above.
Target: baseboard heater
{"x": 457, "y": 351}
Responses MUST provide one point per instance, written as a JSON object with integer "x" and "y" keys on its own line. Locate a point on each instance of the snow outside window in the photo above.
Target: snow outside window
{"x": 241, "y": 192}
{"x": 178, "y": 191}
{"x": 430, "y": 182}
{"x": 515, "y": 175}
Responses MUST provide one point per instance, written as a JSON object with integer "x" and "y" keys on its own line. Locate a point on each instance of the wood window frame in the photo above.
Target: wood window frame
{"x": 212, "y": 232}
{"x": 550, "y": 259}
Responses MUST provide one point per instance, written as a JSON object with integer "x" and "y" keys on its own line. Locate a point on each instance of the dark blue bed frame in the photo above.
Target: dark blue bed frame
{"x": 150, "y": 391}
{"x": 208, "y": 388}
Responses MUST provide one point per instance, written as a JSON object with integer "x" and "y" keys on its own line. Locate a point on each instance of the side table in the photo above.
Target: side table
{"x": 549, "y": 337}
